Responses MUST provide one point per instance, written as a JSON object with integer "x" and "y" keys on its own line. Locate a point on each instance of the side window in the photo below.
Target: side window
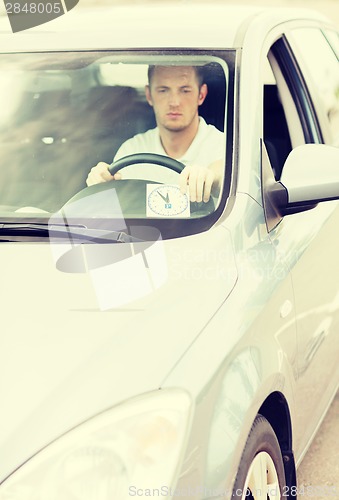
{"x": 287, "y": 120}
{"x": 275, "y": 129}
{"x": 319, "y": 64}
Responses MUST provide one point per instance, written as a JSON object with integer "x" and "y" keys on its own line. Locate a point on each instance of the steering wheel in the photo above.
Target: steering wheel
{"x": 131, "y": 192}
{"x": 161, "y": 160}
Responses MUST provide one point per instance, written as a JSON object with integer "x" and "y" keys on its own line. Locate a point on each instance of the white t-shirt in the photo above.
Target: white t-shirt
{"x": 207, "y": 147}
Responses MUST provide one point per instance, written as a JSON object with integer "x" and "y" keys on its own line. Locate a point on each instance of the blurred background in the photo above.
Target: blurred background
{"x": 328, "y": 7}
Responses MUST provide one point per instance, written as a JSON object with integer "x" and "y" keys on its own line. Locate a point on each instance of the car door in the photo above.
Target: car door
{"x": 308, "y": 241}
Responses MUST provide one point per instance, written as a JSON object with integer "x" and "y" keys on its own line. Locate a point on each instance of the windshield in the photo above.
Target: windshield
{"x": 65, "y": 113}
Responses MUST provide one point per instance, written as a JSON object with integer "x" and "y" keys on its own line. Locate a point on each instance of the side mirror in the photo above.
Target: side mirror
{"x": 310, "y": 175}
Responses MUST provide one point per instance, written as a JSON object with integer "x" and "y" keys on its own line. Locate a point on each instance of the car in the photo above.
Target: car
{"x": 152, "y": 344}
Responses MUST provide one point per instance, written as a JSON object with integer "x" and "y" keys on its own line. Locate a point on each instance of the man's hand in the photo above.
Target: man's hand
{"x": 201, "y": 181}
{"x": 100, "y": 173}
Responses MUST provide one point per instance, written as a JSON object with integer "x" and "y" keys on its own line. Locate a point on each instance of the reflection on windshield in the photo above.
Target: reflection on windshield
{"x": 63, "y": 114}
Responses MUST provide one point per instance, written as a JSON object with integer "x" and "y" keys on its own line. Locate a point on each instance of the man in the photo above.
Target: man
{"x": 175, "y": 93}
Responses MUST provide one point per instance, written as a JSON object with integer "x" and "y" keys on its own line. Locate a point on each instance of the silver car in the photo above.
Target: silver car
{"x": 153, "y": 345}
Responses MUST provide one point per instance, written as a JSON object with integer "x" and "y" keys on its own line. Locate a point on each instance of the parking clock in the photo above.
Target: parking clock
{"x": 166, "y": 200}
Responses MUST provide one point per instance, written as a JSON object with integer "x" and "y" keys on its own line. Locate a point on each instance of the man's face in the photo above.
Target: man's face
{"x": 175, "y": 96}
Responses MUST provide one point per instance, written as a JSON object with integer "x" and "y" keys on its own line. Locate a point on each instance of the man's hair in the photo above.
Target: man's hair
{"x": 198, "y": 71}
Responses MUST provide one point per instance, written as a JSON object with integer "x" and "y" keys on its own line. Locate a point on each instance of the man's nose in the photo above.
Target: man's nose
{"x": 174, "y": 99}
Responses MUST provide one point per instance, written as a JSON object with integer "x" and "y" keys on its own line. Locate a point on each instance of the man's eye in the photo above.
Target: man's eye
{"x": 186, "y": 91}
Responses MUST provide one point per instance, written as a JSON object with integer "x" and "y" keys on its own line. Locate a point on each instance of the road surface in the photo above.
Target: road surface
{"x": 318, "y": 474}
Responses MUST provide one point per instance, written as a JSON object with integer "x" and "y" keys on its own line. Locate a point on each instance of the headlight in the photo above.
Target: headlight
{"x": 116, "y": 455}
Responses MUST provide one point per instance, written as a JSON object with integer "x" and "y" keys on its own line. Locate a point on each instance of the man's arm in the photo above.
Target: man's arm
{"x": 99, "y": 173}
{"x": 202, "y": 181}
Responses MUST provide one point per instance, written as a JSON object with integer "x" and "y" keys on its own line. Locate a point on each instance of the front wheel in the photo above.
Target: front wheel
{"x": 261, "y": 474}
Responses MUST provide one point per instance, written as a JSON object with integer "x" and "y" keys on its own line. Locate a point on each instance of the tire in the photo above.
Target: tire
{"x": 261, "y": 474}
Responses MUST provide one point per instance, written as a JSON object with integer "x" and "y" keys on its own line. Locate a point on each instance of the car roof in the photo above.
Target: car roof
{"x": 151, "y": 26}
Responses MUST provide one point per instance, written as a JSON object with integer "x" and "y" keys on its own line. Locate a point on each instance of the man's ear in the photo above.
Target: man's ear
{"x": 202, "y": 93}
{"x": 148, "y": 95}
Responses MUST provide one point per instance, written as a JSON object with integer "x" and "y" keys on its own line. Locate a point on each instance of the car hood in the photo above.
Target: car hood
{"x": 76, "y": 340}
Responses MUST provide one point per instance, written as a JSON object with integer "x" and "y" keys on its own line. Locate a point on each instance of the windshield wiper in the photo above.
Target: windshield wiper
{"x": 74, "y": 233}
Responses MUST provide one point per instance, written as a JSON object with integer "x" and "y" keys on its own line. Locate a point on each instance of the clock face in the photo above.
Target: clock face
{"x": 166, "y": 200}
